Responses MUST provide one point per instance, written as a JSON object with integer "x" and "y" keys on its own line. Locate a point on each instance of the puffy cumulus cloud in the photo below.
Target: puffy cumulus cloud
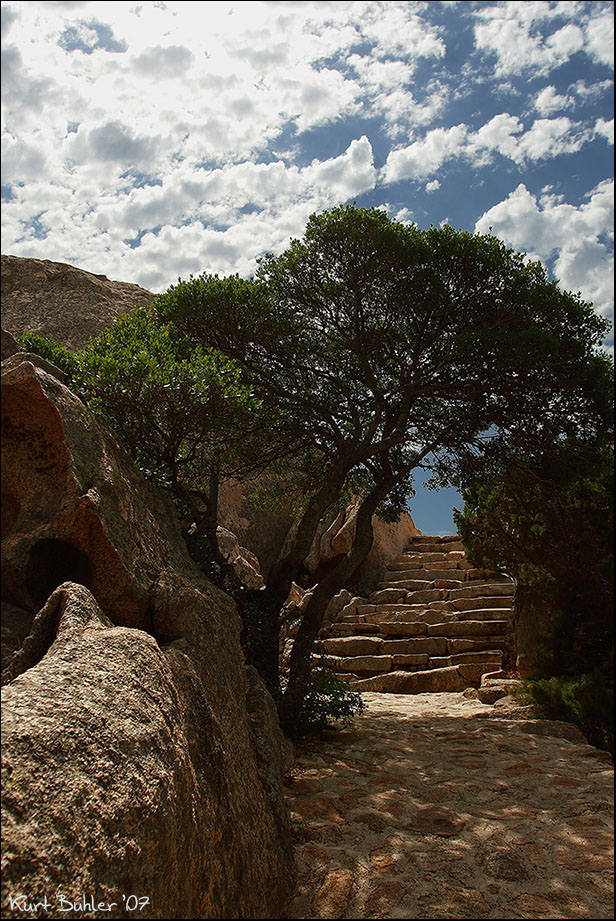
{"x": 504, "y": 134}
{"x": 549, "y": 101}
{"x": 160, "y": 63}
{"x": 8, "y": 16}
{"x": 217, "y": 219}
{"x": 586, "y": 92}
{"x": 579, "y": 239}
{"x": 424, "y": 157}
{"x": 605, "y": 129}
{"x": 88, "y": 36}
{"x": 386, "y": 91}
{"x": 229, "y": 76}
{"x": 111, "y": 142}
{"x": 151, "y": 140}
{"x": 600, "y": 38}
{"x": 541, "y": 36}
{"x": 398, "y": 29}
{"x": 550, "y": 137}
{"x": 500, "y": 135}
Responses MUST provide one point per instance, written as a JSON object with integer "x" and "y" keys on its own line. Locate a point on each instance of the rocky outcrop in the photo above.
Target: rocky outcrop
{"x": 9, "y": 345}
{"x": 139, "y": 757}
{"x": 245, "y": 564}
{"x": 64, "y": 302}
{"x": 261, "y": 530}
{"x": 335, "y": 536}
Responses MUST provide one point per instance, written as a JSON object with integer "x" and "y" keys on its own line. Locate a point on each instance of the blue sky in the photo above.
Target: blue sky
{"x": 149, "y": 141}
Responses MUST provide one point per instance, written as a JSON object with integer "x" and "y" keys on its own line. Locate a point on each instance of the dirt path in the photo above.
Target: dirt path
{"x": 431, "y": 806}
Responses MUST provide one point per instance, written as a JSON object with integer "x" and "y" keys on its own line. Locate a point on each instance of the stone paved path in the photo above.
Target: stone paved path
{"x": 434, "y": 806}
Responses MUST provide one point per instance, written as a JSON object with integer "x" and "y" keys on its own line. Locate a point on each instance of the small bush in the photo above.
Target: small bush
{"x": 51, "y": 351}
{"x": 586, "y": 700}
{"x": 327, "y": 700}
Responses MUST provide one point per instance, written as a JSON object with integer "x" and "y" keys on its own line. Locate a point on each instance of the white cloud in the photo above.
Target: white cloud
{"x": 527, "y": 36}
{"x": 550, "y": 137}
{"x": 424, "y": 157}
{"x": 176, "y": 213}
{"x": 549, "y": 101}
{"x": 578, "y": 238}
{"x": 147, "y": 140}
{"x": 600, "y": 38}
{"x": 164, "y": 63}
{"x": 503, "y": 134}
{"x": 605, "y": 129}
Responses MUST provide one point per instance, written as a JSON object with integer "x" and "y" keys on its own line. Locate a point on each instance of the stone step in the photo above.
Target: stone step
{"x": 455, "y": 646}
{"x": 423, "y": 575}
{"x": 367, "y": 666}
{"x": 453, "y": 678}
{"x": 477, "y": 614}
{"x": 468, "y": 628}
{"x": 408, "y": 583}
{"x": 365, "y": 629}
{"x": 433, "y": 545}
{"x": 402, "y": 580}
{"x": 460, "y": 629}
{"x": 480, "y": 602}
{"x": 470, "y": 657}
{"x": 417, "y": 560}
{"x": 412, "y": 560}
{"x": 483, "y": 589}
{"x": 423, "y": 646}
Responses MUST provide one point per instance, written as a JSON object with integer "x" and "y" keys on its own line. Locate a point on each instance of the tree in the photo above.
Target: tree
{"x": 179, "y": 411}
{"x": 547, "y": 518}
{"x": 388, "y": 348}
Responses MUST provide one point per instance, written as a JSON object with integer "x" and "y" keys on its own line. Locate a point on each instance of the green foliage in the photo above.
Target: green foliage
{"x": 547, "y": 519}
{"x": 175, "y": 405}
{"x": 51, "y": 351}
{"x": 365, "y": 349}
{"x": 324, "y": 700}
{"x": 587, "y": 701}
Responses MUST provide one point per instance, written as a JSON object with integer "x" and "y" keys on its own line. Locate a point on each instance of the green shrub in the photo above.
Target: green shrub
{"x": 51, "y": 351}
{"x": 326, "y": 700}
{"x": 586, "y": 700}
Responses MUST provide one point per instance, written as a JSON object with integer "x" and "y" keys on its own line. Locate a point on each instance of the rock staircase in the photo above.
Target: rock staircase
{"x": 435, "y": 624}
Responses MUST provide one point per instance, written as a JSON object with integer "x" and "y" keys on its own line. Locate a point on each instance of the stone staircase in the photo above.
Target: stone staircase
{"x": 435, "y": 624}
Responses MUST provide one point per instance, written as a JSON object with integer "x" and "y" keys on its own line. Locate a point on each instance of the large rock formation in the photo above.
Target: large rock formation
{"x": 139, "y": 756}
{"x": 336, "y": 535}
{"x": 61, "y": 301}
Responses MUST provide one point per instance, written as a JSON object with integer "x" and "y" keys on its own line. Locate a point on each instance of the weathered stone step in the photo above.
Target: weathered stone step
{"x": 413, "y": 560}
{"x": 431, "y": 546}
{"x": 427, "y": 561}
{"x": 462, "y": 574}
{"x": 453, "y": 678}
{"x": 476, "y": 614}
{"x": 423, "y": 575}
{"x": 456, "y": 570}
{"x": 460, "y": 658}
{"x": 366, "y": 629}
{"x": 357, "y": 646}
{"x": 432, "y": 646}
{"x": 486, "y": 589}
{"x": 480, "y": 602}
{"x": 468, "y": 628}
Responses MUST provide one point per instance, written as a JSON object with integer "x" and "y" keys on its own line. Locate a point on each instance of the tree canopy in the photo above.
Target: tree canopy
{"x": 365, "y": 350}
{"x": 382, "y": 345}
